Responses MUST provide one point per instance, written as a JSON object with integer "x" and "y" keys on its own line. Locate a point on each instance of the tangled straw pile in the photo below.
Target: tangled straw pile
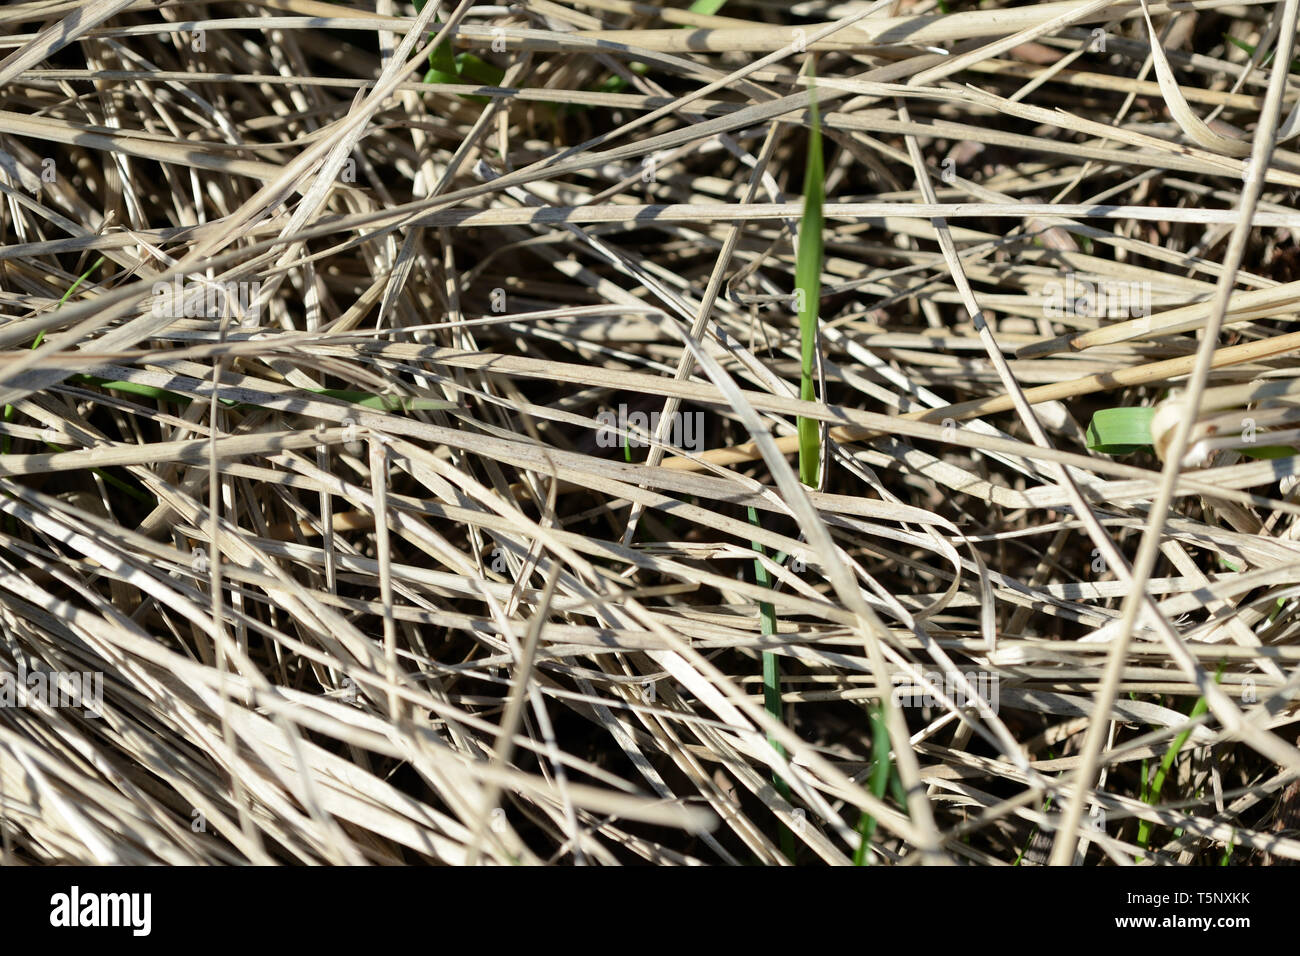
{"x": 339, "y": 408}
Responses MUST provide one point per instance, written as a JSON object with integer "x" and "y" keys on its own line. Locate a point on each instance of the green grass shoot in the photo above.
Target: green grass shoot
{"x": 1226, "y": 860}
{"x": 446, "y": 66}
{"x": 1249, "y": 48}
{"x": 111, "y": 480}
{"x": 808, "y": 271}
{"x": 1151, "y": 794}
{"x": 1121, "y": 431}
{"x": 882, "y": 770}
{"x": 1124, "y": 431}
{"x": 1047, "y": 805}
{"x": 772, "y": 682}
{"x": 40, "y": 337}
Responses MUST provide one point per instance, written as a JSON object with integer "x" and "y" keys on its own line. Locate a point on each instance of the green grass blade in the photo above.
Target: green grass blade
{"x": 1158, "y": 782}
{"x": 1152, "y": 794}
{"x": 1123, "y": 431}
{"x": 40, "y": 337}
{"x": 1249, "y": 48}
{"x": 808, "y": 271}
{"x": 1227, "y": 850}
{"x": 447, "y": 66}
{"x": 881, "y": 772}
{"x": 71, "y": 289}
{"x": 1120, "y": 431}
{"x": 772, "y": 682}
{"x": 1265, "y": 451}
{"x": 1047, "y": 805}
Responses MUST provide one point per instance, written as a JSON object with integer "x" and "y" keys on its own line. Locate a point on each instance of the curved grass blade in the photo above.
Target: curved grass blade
{"x": 1120, "y": 431}
{"x": 1124, "y": 431}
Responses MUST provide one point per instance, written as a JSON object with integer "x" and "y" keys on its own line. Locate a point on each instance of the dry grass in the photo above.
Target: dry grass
{"x": 546, "y": 649}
